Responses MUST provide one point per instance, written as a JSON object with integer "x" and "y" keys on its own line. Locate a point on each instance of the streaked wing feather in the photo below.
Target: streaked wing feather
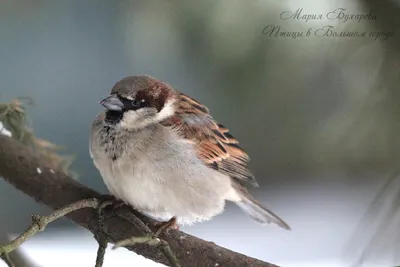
{"x": 214, "y": 144}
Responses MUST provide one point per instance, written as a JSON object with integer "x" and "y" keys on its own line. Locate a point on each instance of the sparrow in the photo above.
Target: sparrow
{"x": 161, "y": 152}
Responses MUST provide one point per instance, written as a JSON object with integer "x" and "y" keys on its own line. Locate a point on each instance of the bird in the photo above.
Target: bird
{"x": 161, "y": 152}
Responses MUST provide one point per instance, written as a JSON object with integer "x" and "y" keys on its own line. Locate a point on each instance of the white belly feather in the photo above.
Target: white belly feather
{"x": 165, "y": 180}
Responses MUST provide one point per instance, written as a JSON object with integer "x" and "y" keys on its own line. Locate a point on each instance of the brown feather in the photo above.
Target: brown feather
{"x": 214, "y": 144}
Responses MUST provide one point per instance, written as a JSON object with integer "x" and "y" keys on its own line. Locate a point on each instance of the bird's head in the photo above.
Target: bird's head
{"x": 138, "y": 101}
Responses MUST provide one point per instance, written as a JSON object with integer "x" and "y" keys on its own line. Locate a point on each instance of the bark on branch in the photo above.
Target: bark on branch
{"x": 19, "y": 167}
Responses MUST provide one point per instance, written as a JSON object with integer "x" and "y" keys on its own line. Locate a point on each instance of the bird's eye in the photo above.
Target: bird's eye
{"x": 136, "y": 104}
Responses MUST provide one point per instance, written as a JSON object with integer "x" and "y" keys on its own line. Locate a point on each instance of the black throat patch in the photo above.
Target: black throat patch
{"x": 113, "y": 117}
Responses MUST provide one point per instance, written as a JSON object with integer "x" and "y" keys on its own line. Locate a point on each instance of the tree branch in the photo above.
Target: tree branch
{"x": 19, "y": 166}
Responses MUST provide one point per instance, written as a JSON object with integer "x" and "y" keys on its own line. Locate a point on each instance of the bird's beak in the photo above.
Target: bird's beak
{"x": 112, "y": 102}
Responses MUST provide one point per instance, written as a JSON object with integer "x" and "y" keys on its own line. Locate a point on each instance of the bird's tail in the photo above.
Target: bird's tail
{"x": 258, "y": 213}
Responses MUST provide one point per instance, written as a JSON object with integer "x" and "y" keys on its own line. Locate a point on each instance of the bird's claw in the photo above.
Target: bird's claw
{"x": 164, "y": 227}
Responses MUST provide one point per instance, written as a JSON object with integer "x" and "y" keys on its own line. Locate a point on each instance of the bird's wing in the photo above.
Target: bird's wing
{"x": 214, "y": 144}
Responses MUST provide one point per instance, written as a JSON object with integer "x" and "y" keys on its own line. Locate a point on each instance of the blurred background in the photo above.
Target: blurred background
{"x": 319, "y": 115}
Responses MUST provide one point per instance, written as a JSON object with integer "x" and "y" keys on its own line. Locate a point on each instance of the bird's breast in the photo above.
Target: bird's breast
{"x": 164, "y": 178}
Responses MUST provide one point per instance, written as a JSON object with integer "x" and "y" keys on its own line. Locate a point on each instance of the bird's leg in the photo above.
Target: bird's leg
{"x": 166, "y": 226}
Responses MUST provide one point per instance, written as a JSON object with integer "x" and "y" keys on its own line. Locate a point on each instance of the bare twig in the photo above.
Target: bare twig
{"x": 40, "y": 222}
{"x": 7, "y": 260}
{"x": 17, "y": 256}
{"x": 147, "y": 239}
{"x": 162, "y": 245}
{"x": 101, "y": 251}
{"x": 152, "y": 240}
